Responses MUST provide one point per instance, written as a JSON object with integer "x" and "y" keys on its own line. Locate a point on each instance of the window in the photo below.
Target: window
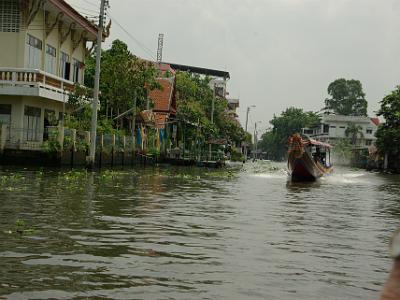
{"x": 343, "y": 127}
{"x": 10, "y": 16}
{"x": 33, "y": 52}
{"x": 369, "y": 131}
{"x": 65, "y": 65}
{"x": 219, "y": 91}
{"x": 308, "y": 131}
{"x": 333, "y": 126}
{"x": 76, "y": 70}
{"x": 32, "y": 117}
{"x": 5, "y": 117}
{"x": 326, "y": 128}
{"x": 368, "y": 142}
{"x": 5, "y": 114}
{"x": 51, "y": 61}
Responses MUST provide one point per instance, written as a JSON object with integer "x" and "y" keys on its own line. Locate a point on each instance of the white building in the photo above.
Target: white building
{"x": 333, "y": 128}
{"x": 233, "y": 105}
{"x": 43, "y": 50}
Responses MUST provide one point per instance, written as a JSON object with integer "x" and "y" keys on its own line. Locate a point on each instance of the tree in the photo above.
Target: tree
{"x": 291, "y": 121}
{"x": 353, "y": 132}
{"x": 123, "y": 77}
{"x": 342, "y": 151}
{"x": 347, "y": 98}
{"x": 388, "y": 134}
{"x": 194, "y": 99}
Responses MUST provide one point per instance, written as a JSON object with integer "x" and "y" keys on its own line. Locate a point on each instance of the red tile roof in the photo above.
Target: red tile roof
{"x": 162, "y": 97}
{"x": 375, "y": 121}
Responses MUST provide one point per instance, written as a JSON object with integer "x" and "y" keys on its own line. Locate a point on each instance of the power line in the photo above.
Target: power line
{"x": 144, "y": 48}
{"x": 91, "y": 3}
{"x": 77, "y": 7}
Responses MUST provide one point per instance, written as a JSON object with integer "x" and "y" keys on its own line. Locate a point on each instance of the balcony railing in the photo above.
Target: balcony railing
{"x": 33, "y": 78}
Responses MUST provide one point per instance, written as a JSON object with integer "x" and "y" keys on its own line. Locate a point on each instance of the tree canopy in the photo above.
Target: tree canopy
{"x": 291, "y": 121}
{"x": 354, "y": 132}
{"x": 194, "y": 103}
{"x": 388, "y": 134}
{"x": 346, "y": 98}
{"x": 123, "y": 77}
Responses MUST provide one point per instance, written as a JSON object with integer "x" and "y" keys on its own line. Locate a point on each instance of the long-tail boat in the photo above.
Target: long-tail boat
{"x": 308, "y": 159}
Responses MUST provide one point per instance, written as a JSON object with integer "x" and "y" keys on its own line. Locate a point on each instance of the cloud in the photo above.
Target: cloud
{"x": 280, "y": 53}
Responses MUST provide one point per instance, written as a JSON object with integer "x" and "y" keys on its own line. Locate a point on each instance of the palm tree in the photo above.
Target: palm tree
{"x": 353, "y": 132}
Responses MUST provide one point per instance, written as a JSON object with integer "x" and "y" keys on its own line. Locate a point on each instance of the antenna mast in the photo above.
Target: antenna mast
{"x": 160, "y": 47}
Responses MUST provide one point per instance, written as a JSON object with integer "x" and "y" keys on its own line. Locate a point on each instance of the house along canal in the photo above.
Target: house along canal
{"x": 181, "y": 233}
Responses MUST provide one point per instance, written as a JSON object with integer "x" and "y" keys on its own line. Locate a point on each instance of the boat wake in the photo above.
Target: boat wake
{"x": 266, "y": 169}
{"x": 346, "y": 177}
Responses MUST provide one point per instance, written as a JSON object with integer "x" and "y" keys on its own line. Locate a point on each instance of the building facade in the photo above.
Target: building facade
{"x": 43, "y": 50}
{"x": 333, "y": 128}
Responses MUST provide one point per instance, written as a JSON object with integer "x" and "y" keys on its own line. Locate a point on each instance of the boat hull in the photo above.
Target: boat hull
{"x": 305, "y": 168}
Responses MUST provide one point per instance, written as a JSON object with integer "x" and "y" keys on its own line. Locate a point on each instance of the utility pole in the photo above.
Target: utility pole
{"x": 93, "y": 131}
{"x": 134, "y": 123}
{"x": 255, "y": 141}
{"x": 247, "y": 116}
{"x": 247, "y": 121}
{"x": 212, "y": 119}
{"x": 255, "y": 148}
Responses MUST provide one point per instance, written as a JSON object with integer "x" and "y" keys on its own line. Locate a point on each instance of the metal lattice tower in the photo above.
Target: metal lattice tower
{"x": 160, "y": 47}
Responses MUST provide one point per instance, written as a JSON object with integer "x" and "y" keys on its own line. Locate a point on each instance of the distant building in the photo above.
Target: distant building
{"x": 333, "y": 128}
{"x": 43, "y": 51}
{"x": 218, "y": 77}
{"x": 233, "y": 105}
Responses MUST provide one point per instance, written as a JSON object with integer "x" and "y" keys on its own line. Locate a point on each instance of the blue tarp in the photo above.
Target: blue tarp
{"x": 139, "y": 137}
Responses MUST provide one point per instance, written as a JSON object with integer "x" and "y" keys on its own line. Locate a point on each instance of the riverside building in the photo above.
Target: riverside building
{"x": 43, "y": 49}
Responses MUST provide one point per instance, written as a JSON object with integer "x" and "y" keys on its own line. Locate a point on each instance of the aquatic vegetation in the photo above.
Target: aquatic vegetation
{"x": 11, "y": 182}
{"x": 75, "y": 175}
{"x": 21, "y": 228}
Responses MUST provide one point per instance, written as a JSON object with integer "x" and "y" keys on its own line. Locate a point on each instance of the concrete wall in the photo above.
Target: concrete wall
{"x": 9, "y": 48}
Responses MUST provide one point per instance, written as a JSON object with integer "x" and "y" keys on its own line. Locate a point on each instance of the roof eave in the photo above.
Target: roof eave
{"x": 73, "y": 14}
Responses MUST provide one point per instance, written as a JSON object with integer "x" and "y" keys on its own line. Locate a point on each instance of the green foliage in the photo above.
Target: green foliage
{"x": 80, "y": 120}
{"x": 236, "y": 156}
{"x": 123, "y": 77}
{"x": 291, "y": 121}
{"x": 353, "y": 132}
{"x": 388, "y": 134}
{"x": 52, "y": 145}
{"x": 347, "y": 98}
{"x": 80, "y": 97}
{"x": 343, "y": 150}
{"x": 194, "y": 103}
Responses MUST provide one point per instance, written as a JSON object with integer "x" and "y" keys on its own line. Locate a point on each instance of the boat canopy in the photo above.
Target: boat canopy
{"x": 316, "y": 143}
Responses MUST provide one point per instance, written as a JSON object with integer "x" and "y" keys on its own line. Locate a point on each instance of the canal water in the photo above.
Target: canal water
{"x": 181, "y": 233}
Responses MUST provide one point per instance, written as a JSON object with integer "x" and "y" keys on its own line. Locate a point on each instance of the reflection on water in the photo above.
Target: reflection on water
{"x": 180, "y": 233}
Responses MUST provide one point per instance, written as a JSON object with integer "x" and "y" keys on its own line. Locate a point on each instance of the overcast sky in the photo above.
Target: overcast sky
{"x": 279, "y": 53}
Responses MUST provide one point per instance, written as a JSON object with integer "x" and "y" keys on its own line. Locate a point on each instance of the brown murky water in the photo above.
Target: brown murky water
{"x": 167, "y": 233}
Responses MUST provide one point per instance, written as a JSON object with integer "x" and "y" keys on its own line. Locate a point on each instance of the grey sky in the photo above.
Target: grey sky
{"x": 279, "y": 53}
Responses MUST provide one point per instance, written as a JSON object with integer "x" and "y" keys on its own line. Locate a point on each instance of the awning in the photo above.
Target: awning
{"x": 316, "y": 143}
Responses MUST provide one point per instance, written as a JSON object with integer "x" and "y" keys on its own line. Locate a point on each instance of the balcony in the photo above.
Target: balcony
{"x": 30, "y": 82}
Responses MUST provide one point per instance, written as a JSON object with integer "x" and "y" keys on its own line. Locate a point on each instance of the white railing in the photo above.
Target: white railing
{"x": 34, "y": 78}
